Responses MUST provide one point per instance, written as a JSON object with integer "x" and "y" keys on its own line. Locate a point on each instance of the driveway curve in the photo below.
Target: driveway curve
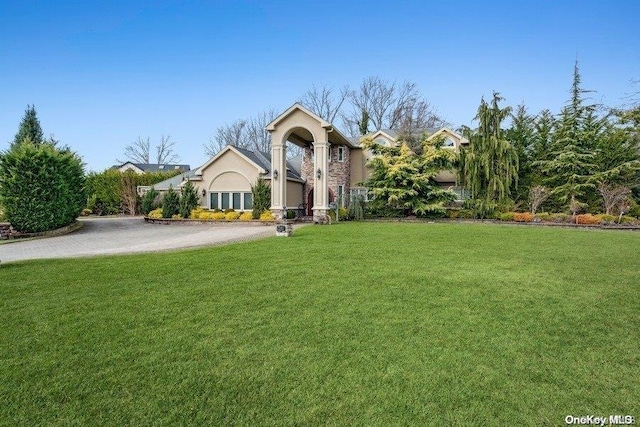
{"x": 106, "y": 236}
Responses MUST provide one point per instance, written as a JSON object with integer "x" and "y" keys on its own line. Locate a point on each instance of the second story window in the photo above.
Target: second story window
{"x": 341, "y": 154}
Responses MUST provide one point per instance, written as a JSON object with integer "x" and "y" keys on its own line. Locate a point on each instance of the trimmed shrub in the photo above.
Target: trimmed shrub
{"x": 343, "y": 213}
{"x": 246, "y": 216}
{"x": 606, "y": 219}
{"x": 195, "y": 213}
{"x": 523, "y": 216}
{"x": 232, "y": 216}
{"x": 41, "y": 186}
{"x": 560, "y": 217}
{"x": 155, "y": 214}
{"x": 218, "y": 215}
{"x": 466, "y": 214}
{"x": 176, "y": 216}
{"x": 587, "y": 219}
{"x": 543, "y": 216}
{"x": 507, "y": 216}
{"x": 266, "y": 216}
{"x": 629, "y": 220}
{"x": 86, "y": 212}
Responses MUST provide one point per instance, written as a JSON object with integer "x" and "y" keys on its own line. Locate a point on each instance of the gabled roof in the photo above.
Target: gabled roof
{"x": 335, "y": 136}
{"x": 175, "y": 181}
{"x": 154, "y": 167}
{"x": 261, "y": 160}
{"x": 450, "y": 132}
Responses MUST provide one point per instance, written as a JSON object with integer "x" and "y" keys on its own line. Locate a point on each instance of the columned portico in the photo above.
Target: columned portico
{"x": 305, "y": 129}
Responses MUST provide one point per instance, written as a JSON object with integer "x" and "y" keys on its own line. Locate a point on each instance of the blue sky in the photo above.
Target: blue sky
{"x": 102, "y": 73}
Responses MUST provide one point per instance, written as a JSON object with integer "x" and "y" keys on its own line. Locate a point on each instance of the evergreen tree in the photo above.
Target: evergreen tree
{"x": 489, "y": 165}
{"x": 404, "y": 182}
{"x": 261, "y": 193}
{"x": 29, "y": 128}
{"x": 149, "y": 201}
{"x": 189, "y": 199}
{"x": 521, "y": 137}
{"x": 570, "y": 166}
{"x": 170, "y": 203}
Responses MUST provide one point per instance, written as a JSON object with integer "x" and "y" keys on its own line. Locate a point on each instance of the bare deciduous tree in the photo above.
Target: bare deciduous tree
{"x": 128, "y": 193}
{"x": 537, "y": 195}
{"x": 137, "y": 152}
{"x": 140, "y": 151}
{"x": 165, "y": 151}
{"x": 250, "y": 134}
{"x": 614, "y": 197}
{"x": 325, "y": 102}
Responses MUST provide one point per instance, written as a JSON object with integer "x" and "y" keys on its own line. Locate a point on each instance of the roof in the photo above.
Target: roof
{"x": 260, "y": 159}
{"x": 174, "y": 181}
{"x": 154, "y": 167}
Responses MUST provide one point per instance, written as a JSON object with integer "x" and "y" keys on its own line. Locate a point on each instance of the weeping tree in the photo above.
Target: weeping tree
{"x": 489, "y": 165}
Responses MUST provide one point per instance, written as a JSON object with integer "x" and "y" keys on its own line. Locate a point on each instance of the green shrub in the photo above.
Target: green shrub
{"x": 261, "y": 193}
{"x": 560, "y": 217}
{"x": 291, "y": 214}
{"x": 543, "y": 216}
{"x": 356, "y": 208}
{"x": 466, "y": 214}
{"x": 149, "y": 201}
{"x": 41, "y": 186}
{"x": 606, "y": 219}
{"x": 189, "y": 199}
{"x": 331, "y": 214}
{"x": 507, "y": 216}
{"x": 170, "y": 203}
{"x": 343, "y": 213}
{"x": 629, "y": 220}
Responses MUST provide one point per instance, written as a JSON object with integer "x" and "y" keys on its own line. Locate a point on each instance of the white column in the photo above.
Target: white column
{"x": 320, "y": 185}
{"x": 278, "y": 177}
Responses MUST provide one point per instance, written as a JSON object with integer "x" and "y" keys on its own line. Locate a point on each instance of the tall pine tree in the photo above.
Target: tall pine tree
{"x": 29, "y": 128}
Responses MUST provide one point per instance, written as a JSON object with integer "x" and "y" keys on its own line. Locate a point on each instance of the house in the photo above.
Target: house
{"x": 331, "y": 169}
{"x": 141, "y": 168}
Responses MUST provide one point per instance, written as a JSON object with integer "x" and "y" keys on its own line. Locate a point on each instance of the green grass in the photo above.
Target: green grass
{"x": 350, "y": 324}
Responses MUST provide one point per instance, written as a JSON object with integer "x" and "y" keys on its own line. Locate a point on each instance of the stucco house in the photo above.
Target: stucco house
{"x": 331, "y": 168}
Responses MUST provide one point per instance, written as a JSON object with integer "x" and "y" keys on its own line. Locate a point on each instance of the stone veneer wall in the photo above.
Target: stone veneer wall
{"x": 339, "y": 173}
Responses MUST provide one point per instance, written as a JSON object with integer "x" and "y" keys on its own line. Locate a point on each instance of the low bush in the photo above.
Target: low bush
{"x": 266, "y": 216}
{"x": 86, "y": 212}
{"x": 587, "y": 219}
{"x": 229, "y": 210}
{"x": 466, "y": 214}
{"x": 606, "y": 219}
{"x": 560, "y": 217}
{"x": 343, "y": 213}
{"x": 231, "y": 216}
{"x": 507, "y": 216}
{"x": 176, "y": 216}
{"x": 629, "y": 220}
{"x": 246, "y": 216}
{"x": 216, "y": 210}
{"x": 544, "y": 216}
{"x": 156, "y": 213}
{"x": 195, "y": 213}
{"x": 523, "y": 216}
{"x": 218, "y": 216}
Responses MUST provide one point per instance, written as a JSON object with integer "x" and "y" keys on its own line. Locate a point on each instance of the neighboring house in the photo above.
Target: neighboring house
{"x": 141, "y": 168}
{"x": 331, "y": 169}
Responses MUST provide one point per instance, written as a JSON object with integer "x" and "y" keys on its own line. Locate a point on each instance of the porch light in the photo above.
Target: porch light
{"x": 275, "y": 174}
{"x": 319, "y": 173}
{"x": 204, "y": 192}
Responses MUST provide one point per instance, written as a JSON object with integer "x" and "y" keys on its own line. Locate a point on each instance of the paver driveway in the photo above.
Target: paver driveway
{"x": 101, "y": 236}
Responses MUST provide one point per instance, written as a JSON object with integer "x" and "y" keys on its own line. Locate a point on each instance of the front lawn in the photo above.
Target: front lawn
{"x": 354, "y": 323}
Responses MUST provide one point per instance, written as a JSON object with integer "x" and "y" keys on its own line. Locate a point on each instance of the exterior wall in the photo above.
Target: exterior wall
{"x": 294, "y": 194}
{"x": 340, "y": 174}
